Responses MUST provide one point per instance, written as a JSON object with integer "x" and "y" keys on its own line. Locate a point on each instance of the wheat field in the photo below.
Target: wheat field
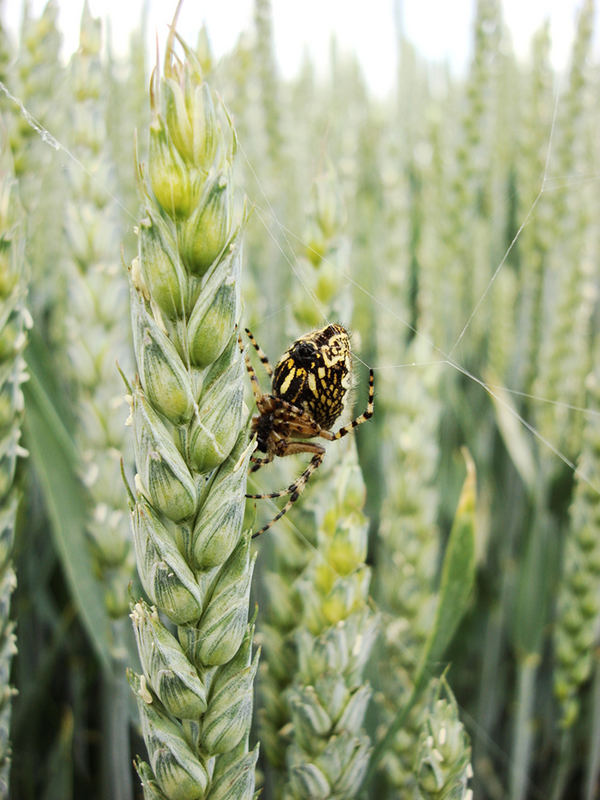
{"x": 299, "y": 418}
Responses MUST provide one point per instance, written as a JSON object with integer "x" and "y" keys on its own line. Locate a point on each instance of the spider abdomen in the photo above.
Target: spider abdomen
{"x": 314, "y": 374}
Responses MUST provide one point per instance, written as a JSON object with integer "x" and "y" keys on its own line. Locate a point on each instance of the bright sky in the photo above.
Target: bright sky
{"x": 440, "y": 29}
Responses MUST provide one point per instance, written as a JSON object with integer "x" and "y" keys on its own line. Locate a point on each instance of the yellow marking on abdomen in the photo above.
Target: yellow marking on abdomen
{"x": 288, "y": 379}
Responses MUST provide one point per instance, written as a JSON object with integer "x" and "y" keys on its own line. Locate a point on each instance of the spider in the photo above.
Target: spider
{"x": 309, "y": 385}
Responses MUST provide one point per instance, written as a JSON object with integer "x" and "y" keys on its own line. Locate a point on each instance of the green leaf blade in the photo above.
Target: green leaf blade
{"x": 458, "y": 572}
{"x": 67, "y": 509}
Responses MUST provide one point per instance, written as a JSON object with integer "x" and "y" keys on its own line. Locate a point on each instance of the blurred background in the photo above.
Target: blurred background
{"x": 427, "y": 174}
{"x": 308, "y": 27}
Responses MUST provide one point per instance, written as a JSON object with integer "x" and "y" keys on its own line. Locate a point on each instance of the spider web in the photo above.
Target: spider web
{"x": 286, "y": 240}
{"x": 267, "y": 212}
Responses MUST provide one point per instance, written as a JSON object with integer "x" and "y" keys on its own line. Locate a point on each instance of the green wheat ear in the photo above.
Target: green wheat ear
{"x": 14, "y": 321}
{"x": 319, "y": 628}
{"x": 97, "y": 295}
{"x": 191, "y": 451}
{"x": 34, "y": 80}
{"x": 443, "y": 766}
{"x": 578, "y": 606}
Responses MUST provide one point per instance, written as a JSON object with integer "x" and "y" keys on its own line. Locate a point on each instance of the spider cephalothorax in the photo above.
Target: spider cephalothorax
{"x": 309, "y": 387}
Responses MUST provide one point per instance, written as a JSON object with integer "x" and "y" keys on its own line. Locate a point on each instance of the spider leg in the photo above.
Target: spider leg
{"x": 256, "y": 391}
{"x": 295, "y": 490}
{"x": 289, "y": 449}
{"x": 258, "y": 462}
{"x": 367, "y": 414}
{"x": 261, "y": 355}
